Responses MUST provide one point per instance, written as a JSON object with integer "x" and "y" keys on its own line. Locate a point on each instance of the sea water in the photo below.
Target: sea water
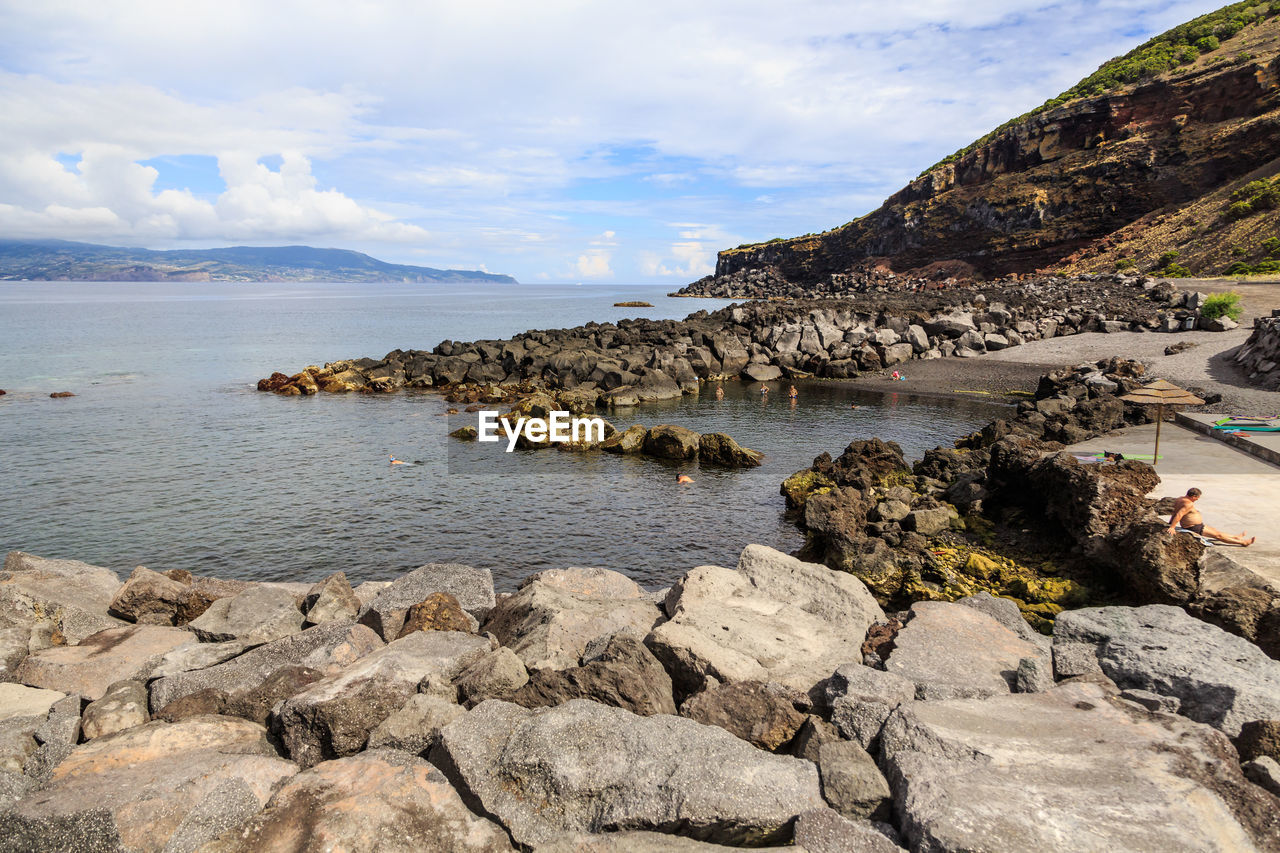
{"x": 169, "y": 457}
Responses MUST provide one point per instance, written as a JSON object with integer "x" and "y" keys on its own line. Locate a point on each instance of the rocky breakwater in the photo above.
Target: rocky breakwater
{"x": 635, "y": 361}
{"x": 1260, "y": 355}
{"x": 1008, "y": 512}
{"x": 748, "y": 706}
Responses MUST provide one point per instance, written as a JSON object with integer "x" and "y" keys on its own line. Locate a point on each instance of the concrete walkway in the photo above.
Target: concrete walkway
{"x": 1241, "y": 491}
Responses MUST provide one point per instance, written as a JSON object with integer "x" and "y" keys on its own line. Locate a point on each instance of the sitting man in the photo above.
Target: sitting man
{"x": 1187, "y": 517}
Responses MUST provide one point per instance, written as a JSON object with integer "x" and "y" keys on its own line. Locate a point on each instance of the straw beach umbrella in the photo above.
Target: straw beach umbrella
{"x": 1161, "y": 394}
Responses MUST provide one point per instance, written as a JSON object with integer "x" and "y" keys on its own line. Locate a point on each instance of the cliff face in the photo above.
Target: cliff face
{"x": 1048, "y": 190}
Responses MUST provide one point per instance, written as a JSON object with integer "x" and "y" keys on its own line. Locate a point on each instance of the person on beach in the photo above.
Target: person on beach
{"x": 1187, "y": 517}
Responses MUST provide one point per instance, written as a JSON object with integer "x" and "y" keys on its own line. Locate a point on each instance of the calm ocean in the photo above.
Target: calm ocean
{"x": 168, "y": 457}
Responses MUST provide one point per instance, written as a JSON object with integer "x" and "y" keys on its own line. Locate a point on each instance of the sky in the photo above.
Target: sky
{"x": 555, "y": 141}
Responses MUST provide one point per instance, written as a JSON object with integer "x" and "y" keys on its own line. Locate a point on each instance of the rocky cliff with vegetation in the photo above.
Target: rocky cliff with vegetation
{"x": 1163, "y": 160}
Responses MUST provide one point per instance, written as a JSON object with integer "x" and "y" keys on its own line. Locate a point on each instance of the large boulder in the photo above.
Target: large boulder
{"x": 1219, "y": 678}
{"x": 827, "y": 831}
{"x": 762, "y": 717}
{"x": 415, "y": 726}
{"x": 116, "y": 654}
{"x": 719, "y": 449}
{"x": 774, "y": 619}
{"x": 585, "y": 767}
{"x": 331, "y": 600}
{"x": 333, "y": 717}
{"x": 155, "y": 787}
{"x": 862, "y": 698}
{"x": 950, "y": 651}
{"x": 378, "y": 801}
{"x": 629, "y": 441}
{"x": 472, "y": 587}
{"x": 328, "y": 648}
{"x": 73, "y": 598}
{"x": 1073, "y": 767}
{"x": 756, "y": 372}
{"x": 557, "y": 612}
{"x": 671, "y": 442}
{"x": 258, "y": 614}
{"x": 148, "y": 597}
{"x": 624, "y": 674}
{"x": 123, "y": 706}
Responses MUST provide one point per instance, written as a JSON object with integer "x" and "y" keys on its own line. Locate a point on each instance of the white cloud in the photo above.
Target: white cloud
{"x": 594, "y": 263}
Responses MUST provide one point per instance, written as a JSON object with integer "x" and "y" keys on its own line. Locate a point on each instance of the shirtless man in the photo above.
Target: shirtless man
{"x": 1186, "y": 516}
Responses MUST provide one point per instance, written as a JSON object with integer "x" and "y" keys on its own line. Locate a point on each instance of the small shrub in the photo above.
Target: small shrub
{"x": 1166, "y": 259}
{"x": 1207, "y": 44}
{"x": 1175, "y": 271}
{"x": 1187, "y": 53}
{"x": 1239, "y": 268}
{"x": 1271, "y": 246}
{"x": 1221, "y": 304}
{"x": 1239, "y": 210}
{"x": 1125, "y": 264}
{"x": 1238, "y": 251}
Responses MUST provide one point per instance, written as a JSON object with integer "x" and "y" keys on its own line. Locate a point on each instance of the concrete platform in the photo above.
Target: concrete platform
{"x": 1264, "y": 445}
{"x": 1241, "y": 490}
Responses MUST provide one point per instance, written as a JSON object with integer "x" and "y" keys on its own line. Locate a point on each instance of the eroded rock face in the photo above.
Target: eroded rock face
{"x": 331, "y": 600}
{"x": 472, "y": 587}
{"x": 333, "y": 717}
{"x": 582, "y": 767}
{"x": 116, "y": 654}
{"x": 1219, "y": 679}
{"x": 73, "y": 597}
{"x": 746, "y": 709}
{"x": 327, "y": 648}
{"x": 774, "y": 619}
{"x": 556, "y": 613}
{"x": 624, "y": 674}
{"x": 1072, "y": 765}
{"x": 950, "y": 651}
{"x": 148, "y": 597}
{"x": 154, "y": 787}
{"x": 719, "y": 449}
{"x": 343, "y": 805}
{"x": 671, "y": 442}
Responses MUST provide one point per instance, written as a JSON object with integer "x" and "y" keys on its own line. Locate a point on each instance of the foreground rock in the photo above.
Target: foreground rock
{"x": 1218, "y": 678}
{"x": 155, "y": 787}
{"x": 117, "y": 654}
{"x": 327, "y": 648}
{"x": 65, "y": 598}
{"x": 624, "y": 674}
{"x": 381, "y": 800}
{"x": 557, "y": 612}
{"x": 259, "y": 614}
{"x": 332, "y": 718}
{"x": 610, "y": 769}
{"x": 471, "y": 587}
{"x": 1070, "y": 768}
{"x": 774, "y": 619}
{"x": 950, "y": 651}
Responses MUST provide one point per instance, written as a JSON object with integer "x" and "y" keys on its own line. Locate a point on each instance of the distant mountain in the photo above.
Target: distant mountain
{"x": 63, "y": 260}
{"x": 1164, "y": 160}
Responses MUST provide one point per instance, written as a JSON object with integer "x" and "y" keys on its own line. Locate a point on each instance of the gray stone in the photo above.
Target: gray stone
{"x": 331, "y": 600}
{"x": 368, "y": 591}
{"x": 1152, "y": 701}
{"x": 123, "y": 706}
{"x": 148, "y": 597}
{"x": 762, "y": 372}
{"x": 100, "y": 660}
{"x": 71, "y": 597}
{"x": 1006, "y": 612}
{"x": 827, "y": 831}
{"x": 851, "y": 782}
{"x": 198, "y": 656}
{"x": 951, "y": 651}
{"x": 1070, "y": 767}
{"x": 774, "y": 619}
{"x": 556, "y": 613}
{"x": 1034, "y": 675}
{"x": 377, "y": 801}
{"x": 1219, "y": 678}
{"x": 327, "y": 648}
{"x": 1264, "y": 772}
{"x": 917, "y": 337}
{"x": 471, "y": 586}
{"x": 748, "y": 709}
{"x": 622, "y": 672}
{"x": 148, "y": 787}
{"x": 416, "y": 726}
{"x": 17, "y": 700}
{"x": 585, "y": 767}
{"x": 54, "y": 737}
{"x": 259, "y": 614}
{"x": 333, "y": 717}
{"x": 1071, "y": 660}
{"x": 892, "y": 510}
{"x": 927, "y": 522}
{"x": 496, "y": 675}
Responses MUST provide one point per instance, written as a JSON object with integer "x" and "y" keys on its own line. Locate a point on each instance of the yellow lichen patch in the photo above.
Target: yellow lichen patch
{"x": 801, "y": 485}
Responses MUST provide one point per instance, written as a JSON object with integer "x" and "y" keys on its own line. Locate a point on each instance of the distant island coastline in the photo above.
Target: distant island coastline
{"x": 65, "y": 260}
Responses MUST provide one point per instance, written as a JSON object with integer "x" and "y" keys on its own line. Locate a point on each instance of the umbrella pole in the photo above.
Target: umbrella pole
{"x": 1159, "y": 418}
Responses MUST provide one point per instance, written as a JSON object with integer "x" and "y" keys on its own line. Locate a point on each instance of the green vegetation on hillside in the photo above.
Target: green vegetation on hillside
{"x": 1179, "y": 46}
{"x": 1268, "y": 264}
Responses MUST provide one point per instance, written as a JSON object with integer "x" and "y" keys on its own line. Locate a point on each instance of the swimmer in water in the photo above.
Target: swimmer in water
{"x": 764, "y": 389}
{"x": 793, "y": 393}
{"x": 720, "y": 392}
{"x": 683, "y": 478}
{"x": 854, "y": 406}
{"x": 395, "y": 461}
